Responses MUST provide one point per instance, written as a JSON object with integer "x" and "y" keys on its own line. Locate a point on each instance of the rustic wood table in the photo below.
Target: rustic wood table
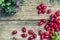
{"x": 26, "y": 16}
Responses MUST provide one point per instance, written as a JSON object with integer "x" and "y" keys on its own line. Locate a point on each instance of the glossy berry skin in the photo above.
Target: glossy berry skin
{"x": 57, "y": 29}
{"x": 58, "y": 20}
{"x": 23, "y": 29}
{"x": 24, "y": 35}
{"x": 48, "y": 11}
{"x": 46, "y": 36}
{"x": 38, "y": 7}
{"x": 30, "y": 32}
{"x": 43, "y": 20}
{"x": 40, "y": 23}
{"x": 57, "y": 12}
{"x": 46, "y": 33}
{"x": 40, "y": 32}
{"x": 39, "y": 12}
{"x": 43, "y": 11}
{"x": 42, "y": 37}
{"x": 34, "y": 36}
{"x": 14, "y": 32}
{"x": 43, "y": 6}
{"x": 30, "y": 38}
{"x": 50, "y": 34}
{"x": 49, "y": 28}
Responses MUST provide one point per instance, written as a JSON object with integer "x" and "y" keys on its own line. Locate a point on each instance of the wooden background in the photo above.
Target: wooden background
{"x": 26, "y": 16}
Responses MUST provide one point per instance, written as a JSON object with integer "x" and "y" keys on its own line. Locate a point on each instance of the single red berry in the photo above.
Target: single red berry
{"x": 50, "y": 34}
{"x": 39, "y": 12}
{"x": 57, "y": 29}
{"x": 52, "y": 29}
{"x": 46, "y": 26}
{"x": 42, "y": 37}
{"x": 43, "y": 11}
{"x": 49, "y": 28}
{"x": 30, "y": 38}
{"x": 52, "y": 16}
{"x": 58, "y": 20}
{"x": 34, "y": 36}
{"x": 23, "y": 29}
{"x": 40, "y": 23}
{"x": 30, "y": 32}
{"x": 46, "y": 33}
{"x": 38, "y": 7}
{"x": 55, "y": 16}
{"x": 48, "y": 11}
{"x": 14, "y": 32}
{"x": 55, "y": 26}
{"x": 46, "y": 36}
{"x": 24, "y": 35}
{"x": 43, "y": 20}
{"x": 57, "y": 12}
{"x": 40, "y": 32}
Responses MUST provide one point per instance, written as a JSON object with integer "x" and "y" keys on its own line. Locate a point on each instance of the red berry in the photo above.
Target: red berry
{"x": 52, "y": 16}
{"x": 40, "y": 23}
{"x": 42, "y": 37}
{"x": 38, "y": 7}
{"x": 55, "y": 26}
{"x": 58, "y": 20}
{"x": 57, "y": 29}
{"x": 14, "y": 32}
{"x": 46, "y": 36}
{"x": 30, "y": 38}
{"x": 23, "y": 29}
{"x": 49, "y": 28}
{"x": 34, "y": 36}
{"x": 57, "y": 12}
{"x": 40, "y": 32}
{"x": 48, "y": 11}
{"x": 43, "y": 20}
{"x": 24, "y": 35}
{"x": 55, "y": 16}
{"x": 39, "y": 12}
{"x": 52, "y": 29}
{"x": 46, "y": 33}
{"x": 50, "y": 34}
{"x": 43, "y": 11}
{"x": 30, "y": 32}
{"x": 46, "y": 26}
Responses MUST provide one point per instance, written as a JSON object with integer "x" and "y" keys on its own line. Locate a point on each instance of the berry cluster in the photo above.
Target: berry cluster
{"x": 42, "y": 9}
{"x": 30, "y": 32}
{"x": 52, "y": 24}
{"x": 24, "y": 34}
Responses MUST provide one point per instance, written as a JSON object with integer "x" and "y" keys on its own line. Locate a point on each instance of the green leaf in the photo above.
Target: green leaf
{"x": 8, "y": 4}
{"x": 55, "y": 35}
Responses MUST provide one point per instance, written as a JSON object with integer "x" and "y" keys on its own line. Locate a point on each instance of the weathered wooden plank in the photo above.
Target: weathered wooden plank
{"x": 6, "y": 28}
{"x": 29, "y": 12}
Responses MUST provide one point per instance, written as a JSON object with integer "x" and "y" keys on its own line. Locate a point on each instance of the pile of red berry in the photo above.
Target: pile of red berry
{"x": 30, "y": 32}
{"x": 52, "y": 24}
{"x": 45, "y": 35}
{"x": 42, "y": 9}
